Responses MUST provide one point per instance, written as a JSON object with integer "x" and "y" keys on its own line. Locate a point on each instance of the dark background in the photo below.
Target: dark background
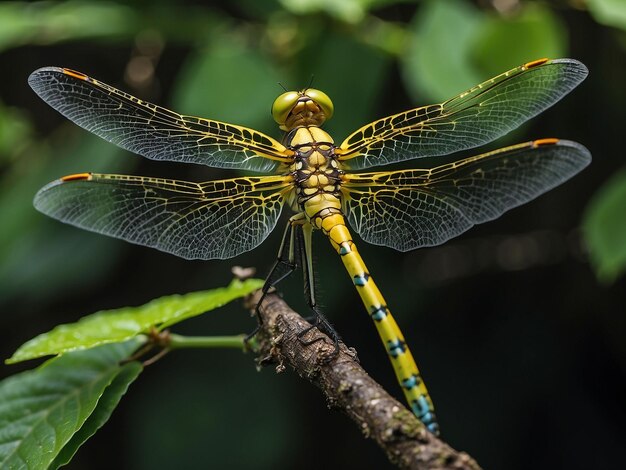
{"x": 522, "y": 347}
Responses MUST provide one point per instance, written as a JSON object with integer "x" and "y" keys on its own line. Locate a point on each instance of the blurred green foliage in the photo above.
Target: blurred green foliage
{"x": 605, "y": 228}
{"x": 196, "y": 94}
{"x": 429, "y": 78}
{"x": 492, "y": 329}
{"x": 472, "y": 42}
{"x": 15, "y": 129}
{"x": 33, "y": 248}
{"x": 50, "y": 22}
{"x": 609, "y": 12}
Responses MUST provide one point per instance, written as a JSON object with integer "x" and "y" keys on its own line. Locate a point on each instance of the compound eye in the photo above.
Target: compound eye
{"x": 283, "y": 105}
{"x": 322, "y": 100}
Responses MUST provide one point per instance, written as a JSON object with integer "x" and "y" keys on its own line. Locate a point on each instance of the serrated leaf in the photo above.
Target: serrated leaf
{"x": 41, "y": 410}
{"x": 604, "y": 227}
{"x": 107, "y": 403}
{"x": 111, "y": 326}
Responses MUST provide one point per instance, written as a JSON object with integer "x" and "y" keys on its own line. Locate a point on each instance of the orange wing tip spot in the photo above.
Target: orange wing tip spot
{"x": 549, "y": 141}
{"x": 75, "y": 74}
{"x": 76, "y": 177}
{"x": 535, "y": 63}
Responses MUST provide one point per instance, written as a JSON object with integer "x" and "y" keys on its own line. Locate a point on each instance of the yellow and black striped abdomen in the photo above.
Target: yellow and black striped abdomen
{"x": 317, "y": 180}
{"x": 404, "y": 365}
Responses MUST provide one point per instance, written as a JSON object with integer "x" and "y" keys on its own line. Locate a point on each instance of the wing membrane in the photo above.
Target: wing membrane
{"x": 415, "y": 208}
{"x": 471, "y": 119}
{"x": 216, "y": 219}
{"x": 152, "y": 131}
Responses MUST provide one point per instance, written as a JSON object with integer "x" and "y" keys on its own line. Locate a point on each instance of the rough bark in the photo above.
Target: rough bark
{"x": 346, "y": 386}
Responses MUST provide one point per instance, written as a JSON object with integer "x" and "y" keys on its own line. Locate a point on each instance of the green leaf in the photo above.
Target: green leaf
{"x": 608, "y": 12}
{"x": 504, "y": 42}
{"x": 604, "y": 228}
{"x": 111, "y": 326}
{"x": 107, "y": 403}
{"x": 438, "y": 63}
{"x": 41, "y": 410}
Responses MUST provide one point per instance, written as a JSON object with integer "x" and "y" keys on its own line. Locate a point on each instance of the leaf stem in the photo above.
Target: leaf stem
{"x": 179, "y": 341}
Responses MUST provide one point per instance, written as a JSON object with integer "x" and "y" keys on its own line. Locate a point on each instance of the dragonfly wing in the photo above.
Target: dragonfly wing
{"x": 152, "y": 131}
{"x": 218, "y": 219}
{"x": 471, "y": 119}
{"x": 415, "y": 208}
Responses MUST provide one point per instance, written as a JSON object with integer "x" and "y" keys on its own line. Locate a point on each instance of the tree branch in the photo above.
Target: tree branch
{"x": 349, "y": 388}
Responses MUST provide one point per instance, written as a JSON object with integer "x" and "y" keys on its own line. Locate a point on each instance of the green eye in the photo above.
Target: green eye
{"x": 322, "y": 100}
{"x": 283, "y": 104}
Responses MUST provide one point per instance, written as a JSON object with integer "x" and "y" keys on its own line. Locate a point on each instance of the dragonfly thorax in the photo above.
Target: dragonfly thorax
{"x": 315, "y": 170}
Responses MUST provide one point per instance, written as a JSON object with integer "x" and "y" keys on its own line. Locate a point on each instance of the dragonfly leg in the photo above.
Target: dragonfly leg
{"x": 305, "y": 245}
{"x": 284, "y": 266}
{"x": 296, "y": 243}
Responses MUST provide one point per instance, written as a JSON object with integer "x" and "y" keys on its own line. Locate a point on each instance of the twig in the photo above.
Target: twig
{"x": 347, "y": 387}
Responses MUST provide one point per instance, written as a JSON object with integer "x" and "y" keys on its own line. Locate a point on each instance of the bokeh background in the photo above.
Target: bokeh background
{"x": 519, "y": 325}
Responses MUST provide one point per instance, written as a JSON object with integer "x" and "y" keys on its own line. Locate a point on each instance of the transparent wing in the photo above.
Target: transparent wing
{"x": 471, "y": 119}
{"x": 152, "y": 131}
{"x": 217, "y": 219}
{"x": 415, "y": 208}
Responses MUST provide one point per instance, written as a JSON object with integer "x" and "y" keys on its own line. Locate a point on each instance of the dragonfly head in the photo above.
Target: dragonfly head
{"x": 301, "y": 108}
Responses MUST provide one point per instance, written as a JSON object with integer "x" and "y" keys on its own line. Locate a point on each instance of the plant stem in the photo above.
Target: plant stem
{"x": 179, "y": 341}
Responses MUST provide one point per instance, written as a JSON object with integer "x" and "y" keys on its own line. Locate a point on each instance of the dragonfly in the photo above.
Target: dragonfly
{"x": 323, "y": 183}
